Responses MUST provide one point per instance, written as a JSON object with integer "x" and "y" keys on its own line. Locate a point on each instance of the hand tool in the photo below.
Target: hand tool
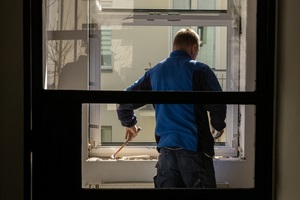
{"x": 123, "y": 145}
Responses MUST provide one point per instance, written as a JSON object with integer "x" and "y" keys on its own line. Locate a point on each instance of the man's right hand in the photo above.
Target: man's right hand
{"x": 132, "y": 132}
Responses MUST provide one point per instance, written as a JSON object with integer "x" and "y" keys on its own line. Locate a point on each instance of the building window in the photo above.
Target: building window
{"x": 126, "y": 38}
{"x": 105, "y": 54}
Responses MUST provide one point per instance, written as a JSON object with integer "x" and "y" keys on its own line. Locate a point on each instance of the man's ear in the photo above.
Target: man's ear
{"x": 196, "y": 48}
{"x": 194, "y": 51}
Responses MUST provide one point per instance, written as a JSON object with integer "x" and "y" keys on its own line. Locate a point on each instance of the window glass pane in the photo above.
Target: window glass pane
{"x": 212, "y": 4}
{"x": 118, "y": 45}
{"x": 103, "y": 135}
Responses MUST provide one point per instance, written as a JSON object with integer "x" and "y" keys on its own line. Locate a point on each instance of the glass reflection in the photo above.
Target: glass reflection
{"x": 122, "y": 39}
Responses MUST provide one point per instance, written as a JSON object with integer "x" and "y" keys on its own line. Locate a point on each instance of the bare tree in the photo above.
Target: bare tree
{"x": 58, "y": 51}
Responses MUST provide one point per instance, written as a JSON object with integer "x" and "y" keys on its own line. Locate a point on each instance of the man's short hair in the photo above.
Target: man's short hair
{"x": 185, "y": 38}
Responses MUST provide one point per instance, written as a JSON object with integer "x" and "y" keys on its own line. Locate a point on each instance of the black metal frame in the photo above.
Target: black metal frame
{"x": 50, "y": 175}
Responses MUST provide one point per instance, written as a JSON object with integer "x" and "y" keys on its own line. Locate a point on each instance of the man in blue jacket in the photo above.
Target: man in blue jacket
{"x": 183, "y": 132}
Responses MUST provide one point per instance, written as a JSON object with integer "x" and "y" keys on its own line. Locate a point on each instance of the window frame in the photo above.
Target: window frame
{"x": 44, "y": 102}
{"x": 217, "y": 18}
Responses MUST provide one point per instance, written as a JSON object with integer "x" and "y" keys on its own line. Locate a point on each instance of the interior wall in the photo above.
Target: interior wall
{"x": 288, "y": 97}
{"x": 11, "y": 101}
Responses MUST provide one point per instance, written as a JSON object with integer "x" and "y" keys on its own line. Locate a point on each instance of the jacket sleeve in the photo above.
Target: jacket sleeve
{"x": 207, "y": 81}
{"x": 217, "y": 113}
{"x": 125, "y": 112}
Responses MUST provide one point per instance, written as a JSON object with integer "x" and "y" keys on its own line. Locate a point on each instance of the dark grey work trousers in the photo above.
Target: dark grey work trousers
{"x": 179, "y": 168}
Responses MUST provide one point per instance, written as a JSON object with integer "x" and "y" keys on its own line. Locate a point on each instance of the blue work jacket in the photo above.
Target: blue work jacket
{"x": 184, "y": 126}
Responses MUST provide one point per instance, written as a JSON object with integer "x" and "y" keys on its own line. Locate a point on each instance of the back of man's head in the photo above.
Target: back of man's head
{"x": 185, "y": 38}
